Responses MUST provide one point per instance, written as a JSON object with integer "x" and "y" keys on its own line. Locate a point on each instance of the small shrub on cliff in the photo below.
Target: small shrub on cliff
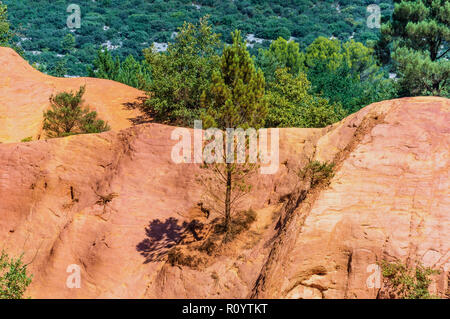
{"x": 240, "y": 223}
{"x": 319, "y": 172}
{"x": 402, "y": 282}
{"x": 27, "y": 139}
{"x": 13, "y": 277}
{"x": 179, "y": 257}
{"x": 67, "y": 117}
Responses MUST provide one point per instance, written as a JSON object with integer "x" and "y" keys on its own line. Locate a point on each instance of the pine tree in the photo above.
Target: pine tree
{"x": 5, "y": 32}
{"x": 346, "y": 73}
{"x": 68, "y": 43}
{"x": 281, "y": 54}
{"x": 419, "y": 35}
{"x": 105, "y": 67}
{"x": 134, "y": 73}
{"x": 60, "y": 68}
{"x": 67, "y": 117}
{"x": 130, "y": 71}
{"x": 237, "y": 90}
{"x": 236, "y": 100}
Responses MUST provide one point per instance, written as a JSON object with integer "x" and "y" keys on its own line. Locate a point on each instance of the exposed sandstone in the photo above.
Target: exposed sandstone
{"x": 25, "y": 92}
{"x": 113, "y": 203}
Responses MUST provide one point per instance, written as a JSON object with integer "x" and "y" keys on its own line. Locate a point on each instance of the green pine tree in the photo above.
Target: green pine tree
{"x": 237, "y": 90}
{"x": 134, "y": 73}
{"x": 346, "y": 73}
{"x": 281, "y": 54}
{"x": 68, "y": 43}
{"x": 236, "y": 100}
{"x": 60, "y": 68}
{"x": 105, "y": 67}
{"x": 130, "y": 71}
{"x": 67, "y": 117}
{"x": 5, "y": 32}
{"x": 419, "y": 36}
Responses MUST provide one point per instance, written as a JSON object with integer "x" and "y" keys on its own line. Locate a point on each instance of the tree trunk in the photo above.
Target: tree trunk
{"x": 434, "y": 49}
{"x": 228, "y": 199}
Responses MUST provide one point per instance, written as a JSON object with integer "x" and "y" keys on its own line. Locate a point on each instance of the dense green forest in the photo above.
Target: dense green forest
{"x": 129, "y": 26}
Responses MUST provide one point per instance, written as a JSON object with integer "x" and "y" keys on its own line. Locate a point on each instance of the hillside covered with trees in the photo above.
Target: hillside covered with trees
{"x": 130, "y": 26}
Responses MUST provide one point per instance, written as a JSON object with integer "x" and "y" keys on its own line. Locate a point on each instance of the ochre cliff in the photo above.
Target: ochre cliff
{"x": 25, "y": 92}
{"x": 114, "y": 203}
{"x": 389, "y": 199}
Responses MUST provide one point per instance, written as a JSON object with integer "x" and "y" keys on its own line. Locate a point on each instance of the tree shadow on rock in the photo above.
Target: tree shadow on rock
{"x": 139, "y": 104}
{"x": 161, "y": 236}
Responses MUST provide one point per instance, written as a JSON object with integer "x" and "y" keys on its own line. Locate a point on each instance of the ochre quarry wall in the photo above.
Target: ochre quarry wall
{"x": 25, "y": 92}
{"x": 95, "y": 201}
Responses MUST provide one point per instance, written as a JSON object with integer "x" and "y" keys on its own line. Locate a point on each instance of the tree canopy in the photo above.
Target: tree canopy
{"x": 346, "y": 73}
{"x": 418, "y": 37}
{"x": 5, "y": 32}
{"x": 281, "y": 54}
{"x": 68, "y": 117}
{"x": 292, "y": 105}
{"x": 42, "y": 26}
{"x": 183, "y": 73}
{"x": 130, "y": 71}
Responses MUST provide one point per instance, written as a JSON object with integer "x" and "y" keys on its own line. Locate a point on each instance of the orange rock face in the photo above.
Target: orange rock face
{"x": 112, "y": 204}
{"x": 389, "y": 200}
{"x": 25, "y": 92}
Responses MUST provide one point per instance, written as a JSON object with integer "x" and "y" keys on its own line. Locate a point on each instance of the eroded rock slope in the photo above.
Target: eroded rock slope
{"x": 25, "y": 92}
{"x": 113, "y": 203}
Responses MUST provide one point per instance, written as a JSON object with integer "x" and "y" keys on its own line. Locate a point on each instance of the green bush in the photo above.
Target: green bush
{"x": 182, "y": 74}
{"x": 291, "y": 104}
{"x": 407, "y": 283}
{"x": 13, "y": 277}
{"x": 67, "y": 117}
{"x": 318, "y": 172}
{"x": 27, "y": 139}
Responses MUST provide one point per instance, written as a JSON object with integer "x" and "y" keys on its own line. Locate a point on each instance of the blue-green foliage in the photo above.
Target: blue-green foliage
{"x": 130, "y": 71}
{"x": 132, "y": 25}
